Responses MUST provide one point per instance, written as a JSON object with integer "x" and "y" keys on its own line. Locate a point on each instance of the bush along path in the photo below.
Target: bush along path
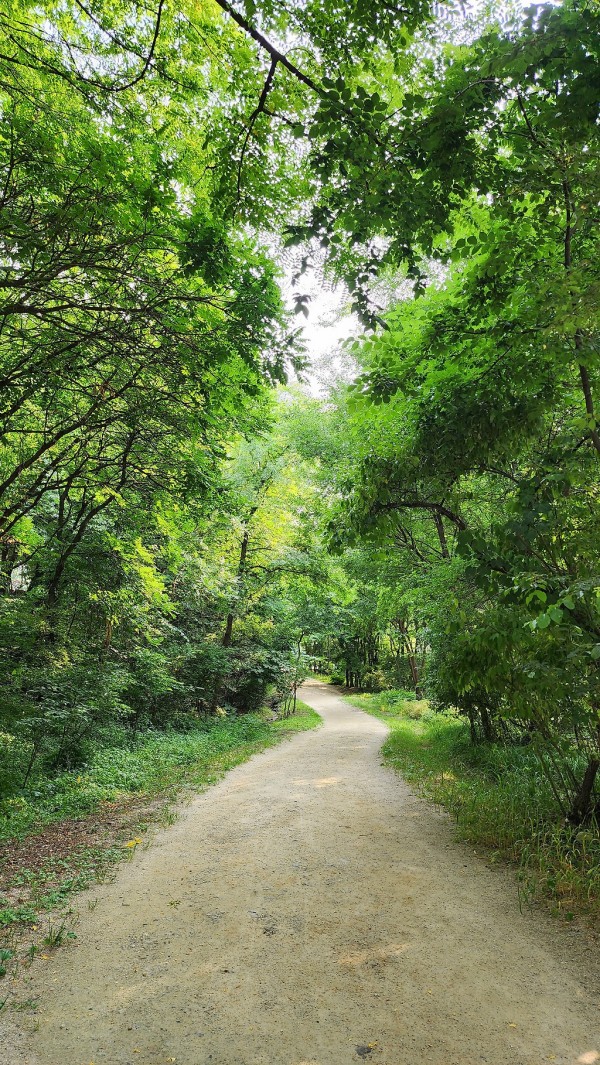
{"x": 310, "y": 908}
{"x": 68, "y": 833}
{"x": 500, "y": 798}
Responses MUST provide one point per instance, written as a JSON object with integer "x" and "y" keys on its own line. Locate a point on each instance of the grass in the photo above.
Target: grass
{"x": 46, "y": 828}
{"x": 305, "y": 718}
{"x": 500, "y": 799}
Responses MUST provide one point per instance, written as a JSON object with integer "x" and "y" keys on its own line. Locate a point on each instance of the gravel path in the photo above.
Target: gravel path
{"x": 310, "y": 910}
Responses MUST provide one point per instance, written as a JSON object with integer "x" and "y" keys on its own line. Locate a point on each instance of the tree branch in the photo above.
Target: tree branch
{"x": 264, "y": 43}
{"x": 260, "y": 107}
{"x": 421, "y": 504}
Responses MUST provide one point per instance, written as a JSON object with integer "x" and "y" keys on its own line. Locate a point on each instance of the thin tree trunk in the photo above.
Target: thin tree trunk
{"x": 473, "y": 730}
{"x": 487, "y": 724}
{"x": 582, "y": 803}
{"x": 30, "y": 765}
{"x": 228, "y": 633}
{"x": 584, "y": 376}
{"x": 226, "y": 641}
{"x": 410, "y": 654}
{"x": 439, "y": 524}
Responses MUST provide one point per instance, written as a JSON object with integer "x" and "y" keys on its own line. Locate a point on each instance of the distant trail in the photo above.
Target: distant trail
{"x": 310, "y": 910}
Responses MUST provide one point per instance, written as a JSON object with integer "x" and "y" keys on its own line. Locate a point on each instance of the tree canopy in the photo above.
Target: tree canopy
{"x": 176, "y": 536}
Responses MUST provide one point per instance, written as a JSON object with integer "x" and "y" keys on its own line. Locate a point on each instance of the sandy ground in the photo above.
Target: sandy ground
{"x": 310, "y": 910}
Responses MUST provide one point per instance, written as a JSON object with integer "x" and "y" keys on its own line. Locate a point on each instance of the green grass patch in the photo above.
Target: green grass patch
{"x": 305, "y": 718}
{"x": 501, "y": 801}
{"x": 396, "y": 701}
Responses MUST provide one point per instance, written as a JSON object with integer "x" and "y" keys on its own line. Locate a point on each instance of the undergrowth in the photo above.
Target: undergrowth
{"x": 153, "y": 764}
{"x": 500, "y": 798}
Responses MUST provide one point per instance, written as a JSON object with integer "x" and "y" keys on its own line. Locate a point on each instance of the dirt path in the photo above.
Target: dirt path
{"x": 309, "y": 910}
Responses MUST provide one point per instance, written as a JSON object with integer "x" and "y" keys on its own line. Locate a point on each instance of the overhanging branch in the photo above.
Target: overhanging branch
{"x": 276, "y": 55}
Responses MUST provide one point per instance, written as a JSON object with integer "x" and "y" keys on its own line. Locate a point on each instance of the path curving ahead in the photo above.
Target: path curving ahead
{"x": 309, "y": 910}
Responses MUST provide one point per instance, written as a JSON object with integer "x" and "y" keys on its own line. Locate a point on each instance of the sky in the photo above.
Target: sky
{"x": 328, "y": 325}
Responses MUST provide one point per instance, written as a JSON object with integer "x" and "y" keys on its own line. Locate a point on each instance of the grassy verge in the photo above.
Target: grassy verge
{"x": 157, "y": 763}
{"x": 66, "y": 833}
{"x": 500, "y": 799}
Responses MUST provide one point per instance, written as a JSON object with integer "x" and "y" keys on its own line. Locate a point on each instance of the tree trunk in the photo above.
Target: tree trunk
{"x": 584, "y": 376}
{"x": 441, "y": 534}
{"x": 582, "y": 806}
{"x": 410, "y": 649}
{"x": 228, "y": 633}
{"x": 472, "y": 728}
{"x": 226, "y": 641}
{"x": 414, "y": 672}
{"x": 487, "y": 724}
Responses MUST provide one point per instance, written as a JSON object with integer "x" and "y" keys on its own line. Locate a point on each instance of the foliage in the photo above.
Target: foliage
{"x": 140, "y": 332}
{"x": 156, "y": 625}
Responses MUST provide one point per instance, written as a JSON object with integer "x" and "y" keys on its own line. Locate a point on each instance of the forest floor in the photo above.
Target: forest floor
{"x": 311, "y": 910}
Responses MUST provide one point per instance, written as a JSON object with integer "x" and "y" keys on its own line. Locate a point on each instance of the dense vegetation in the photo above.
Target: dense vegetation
{"x": 182, "y": 534}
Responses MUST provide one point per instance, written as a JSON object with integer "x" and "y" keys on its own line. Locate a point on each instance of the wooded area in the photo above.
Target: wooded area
{"x": 186, "y": 530}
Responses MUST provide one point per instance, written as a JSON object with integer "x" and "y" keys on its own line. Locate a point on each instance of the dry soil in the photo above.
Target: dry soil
{"x": 310, "y": 910}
